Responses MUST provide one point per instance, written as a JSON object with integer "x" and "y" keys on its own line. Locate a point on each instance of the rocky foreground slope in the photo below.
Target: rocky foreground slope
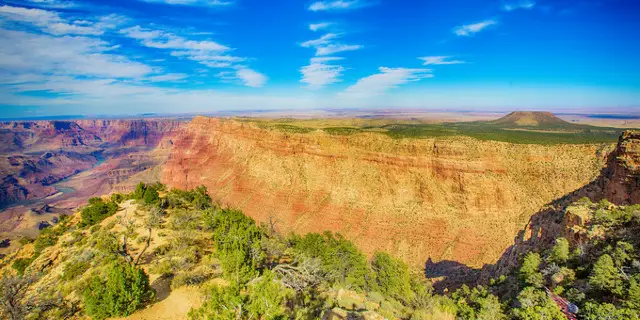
{"x": 451, "y": 198}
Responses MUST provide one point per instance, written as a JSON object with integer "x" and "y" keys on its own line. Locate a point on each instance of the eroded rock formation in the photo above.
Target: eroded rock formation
{"x": 455, "y": 199}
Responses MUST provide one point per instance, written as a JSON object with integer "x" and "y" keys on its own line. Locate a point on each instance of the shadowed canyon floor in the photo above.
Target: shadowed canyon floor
{"x": 446, "y": 198}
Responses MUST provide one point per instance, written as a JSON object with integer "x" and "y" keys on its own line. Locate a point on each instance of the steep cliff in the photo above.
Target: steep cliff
{"x": 618, "y": 182}
{"x": 621, "y": 179}
{"x": 451, "y": 198}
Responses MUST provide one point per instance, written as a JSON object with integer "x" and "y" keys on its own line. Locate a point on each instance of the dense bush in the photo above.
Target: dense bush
{"x": 96, "y": 211}
{"x": 122, "y": 292}
{"x": 238, "y": 244}
{"x": 392, "y": 276}
{"x": 340, "y": 258}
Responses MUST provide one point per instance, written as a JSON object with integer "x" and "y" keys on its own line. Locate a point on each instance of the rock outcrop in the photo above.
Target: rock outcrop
{"x": 618, "y": 182}
{"x": 621, "y": 179}
{"x": 455, "y": 198}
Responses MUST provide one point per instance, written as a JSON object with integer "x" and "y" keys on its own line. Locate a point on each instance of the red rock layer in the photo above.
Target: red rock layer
{"x": 450, "y": 199}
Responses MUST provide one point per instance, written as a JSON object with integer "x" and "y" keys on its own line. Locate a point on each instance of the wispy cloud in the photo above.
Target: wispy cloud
{"x": 169, "y": 77}
{"x": 208, "y": 3}
{"x": 53, "y": 4}
{"x": 51, "y": 22}
{"x": 320, "y": 72}
{"x": 470, "y": 29}
{"x": 319, "y": 26}
{"x": 82, "y": 56}
{"x": 337, "y": 5}
{"x": 326, "y": 45}
{"x": 388, "y": 78}
{"x": 164, "y": 40}
{"x": 440, "y": 60}
{"x": 244, "y": 75}
{"x": 515, "y": 5}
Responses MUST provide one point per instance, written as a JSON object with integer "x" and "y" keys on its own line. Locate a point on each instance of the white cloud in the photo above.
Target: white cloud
{"x": 208, "y": 3}
{"x": 470, "y": 29}
{"x": 439, "y": 60}
{"x": 335, "y": 48}
{"x": 388, "y": 78}
{"x": 319, "y": 73}
{"x": 515, "y": 5}
{"x": 167, "y": 77}
{"x": 325, "y": 45}
{"x": 336, "y": 5}
{"x": 67, "y": 55}
{"x": 51, "y": 22}
{"x": 52, "y": 4}
{"x": 319, "y": 26}
{"x": 325, "y": 59}
{"x": 325, "y": 39}
{"x": 164, "y": 40}
{"x": 251, "y": 78}
{"x": 206, "y": 52}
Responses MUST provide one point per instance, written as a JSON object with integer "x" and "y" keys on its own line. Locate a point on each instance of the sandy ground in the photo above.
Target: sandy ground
{"x": 173, "y": 305}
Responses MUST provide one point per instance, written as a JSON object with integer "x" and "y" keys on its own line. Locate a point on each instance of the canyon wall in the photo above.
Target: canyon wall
{"x": 36, "y": 154}
{"x": 452, "y": 198}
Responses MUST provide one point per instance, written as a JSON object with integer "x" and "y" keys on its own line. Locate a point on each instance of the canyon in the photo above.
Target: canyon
{"x": 451, "y": 202}
{"x": 48, "y": 168}
{"x": 433, "y": 199}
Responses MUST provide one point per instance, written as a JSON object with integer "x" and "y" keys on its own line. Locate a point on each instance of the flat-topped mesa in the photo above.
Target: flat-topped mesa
{"x": 530, "y": 118}
{"x": 448, "y": 198}
{"x": 621, "y": 179}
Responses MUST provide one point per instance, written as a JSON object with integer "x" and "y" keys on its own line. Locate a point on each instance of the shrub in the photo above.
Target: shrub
{"x": 340, "y": 258}
{"x": 125, "y": 289}
{"x": 151, "y": 196}
{"x": 74, "y": 269}
{"x": 560, "y": 251}
{"x": 392, "y": 276}
{"x": 97, "y": 211}
{"x": 21, "y": 264}
{"x": 139, "y": 192}
{"x": 239, "y": 244}
{"x": 529, "y": 272}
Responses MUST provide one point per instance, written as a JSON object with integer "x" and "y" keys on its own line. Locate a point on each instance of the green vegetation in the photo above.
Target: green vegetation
{"x": 566, "y": 134}
{"x": 342, "y": 131}
{"x": 547, "y": 134}
{"x": 249, "y": 271}
{"x": 96, "y": 211}
{"x": 123, "y": 291}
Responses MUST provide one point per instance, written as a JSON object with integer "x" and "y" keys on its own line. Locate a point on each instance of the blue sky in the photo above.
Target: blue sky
{"x": 173, "y": 56}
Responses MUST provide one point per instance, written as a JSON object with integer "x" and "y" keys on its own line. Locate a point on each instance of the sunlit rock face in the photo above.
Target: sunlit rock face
{"x": 452, "y": 198}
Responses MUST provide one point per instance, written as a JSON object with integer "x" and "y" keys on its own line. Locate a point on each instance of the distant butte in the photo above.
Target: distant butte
{"x": 530, "y": 118}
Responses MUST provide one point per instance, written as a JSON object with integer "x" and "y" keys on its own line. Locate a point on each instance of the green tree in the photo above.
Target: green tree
{"x": 535, "y": 304}
{"x": 238, "y": 241}
{"x": 224, "y": 303}
{"x": 97, "y": 211}
{"x": 633, "y": 296}
{"x": 139, "y": 192}
{"x": 125, "y": 289}
{"x": 607, "y": 311}
{"x": 392, "y": 276}
{"x": 267, "y": 298}
{"x": 560, "y": 251}
{"x": 606, "y": 277}
{"x": 151, "y": 196}
{"x": 340, "y": 258}
{"x": 529, "y": 272}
